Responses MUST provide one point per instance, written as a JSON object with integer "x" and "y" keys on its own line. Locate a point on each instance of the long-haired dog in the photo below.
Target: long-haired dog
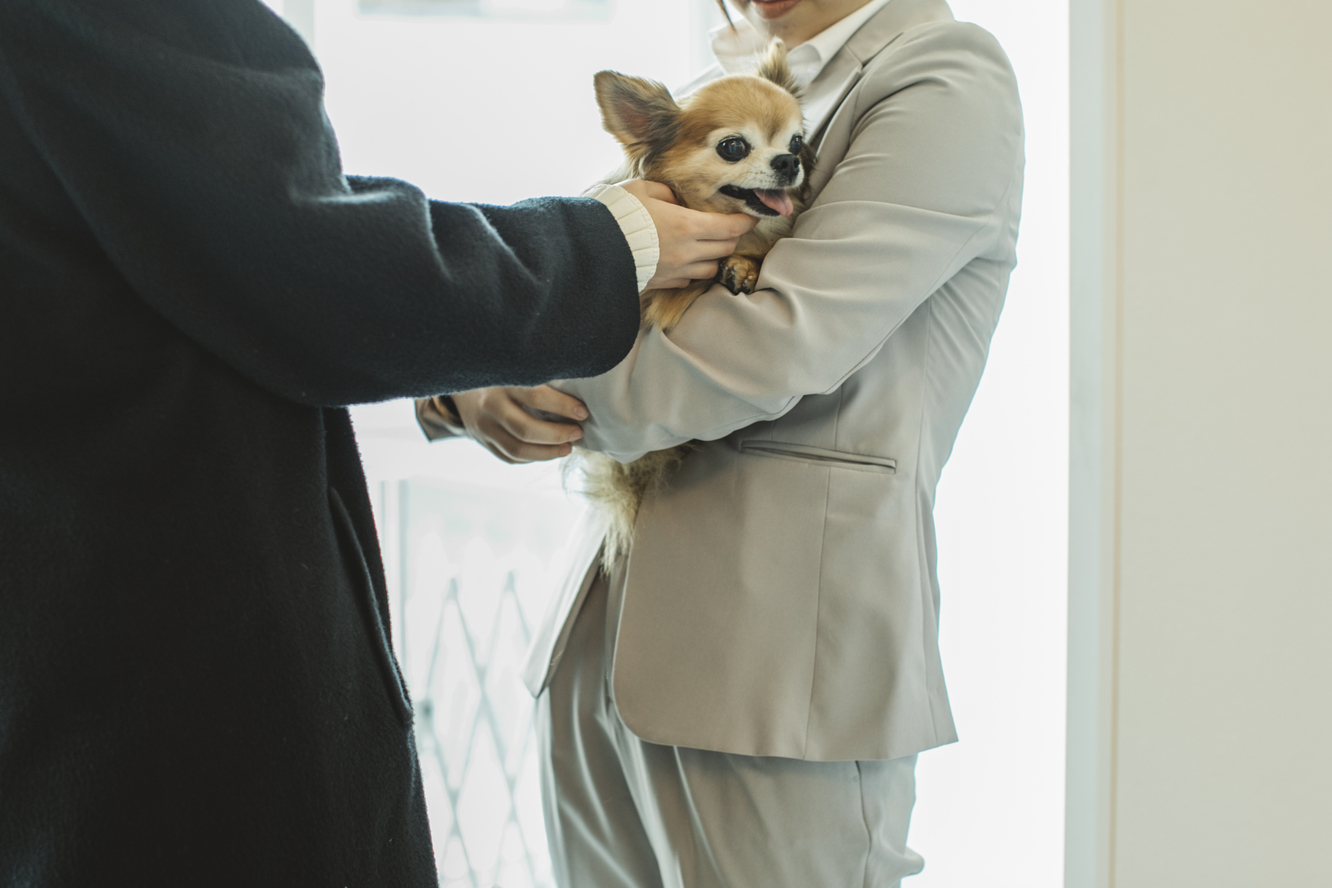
{"x": 737, "y": 144}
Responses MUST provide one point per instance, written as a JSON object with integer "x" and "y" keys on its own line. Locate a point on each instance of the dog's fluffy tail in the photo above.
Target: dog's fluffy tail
{"x": 617, "y": 490}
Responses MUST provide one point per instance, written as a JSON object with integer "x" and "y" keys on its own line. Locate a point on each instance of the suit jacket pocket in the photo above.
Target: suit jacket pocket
{"x": 371, "y": 618}
{"x": 803, "y": 453}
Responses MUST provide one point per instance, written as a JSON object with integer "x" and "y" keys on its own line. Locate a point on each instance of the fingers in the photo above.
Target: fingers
{"x": 676, "y": 276}
{"x": 718, "y": 226}
{"x": 495, "y": 435}
{"x": 711, "y": 227}
{"x": 690, "y": 242}
{"x": 707, "y": 226}
{"x": 709, "y": 250}
{"x": 700, "y": 271}
{"x": 551, "y": 401}
{"x": 712, "y": 235}
{"x": 513, "y": 451}
{"x": 529, "y": 429}
{"x": 497, "y": 419}
{"x": 697, "y": 271}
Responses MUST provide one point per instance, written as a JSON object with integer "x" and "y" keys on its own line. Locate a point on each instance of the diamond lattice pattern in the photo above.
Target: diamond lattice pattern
{"x": 474, "y": 572}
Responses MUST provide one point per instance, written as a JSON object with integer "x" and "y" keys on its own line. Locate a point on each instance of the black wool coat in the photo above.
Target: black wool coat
{"x": 196, "y": 684}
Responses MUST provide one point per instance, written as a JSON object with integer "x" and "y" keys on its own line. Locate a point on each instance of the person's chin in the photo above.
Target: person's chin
{"x": 770, "y": 10}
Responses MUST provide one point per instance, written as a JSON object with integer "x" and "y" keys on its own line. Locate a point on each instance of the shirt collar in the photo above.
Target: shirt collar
{"x": 735, "y": 49}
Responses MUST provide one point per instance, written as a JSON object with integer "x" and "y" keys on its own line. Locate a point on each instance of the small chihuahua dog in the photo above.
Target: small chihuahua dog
{"x": 737, "y": 144}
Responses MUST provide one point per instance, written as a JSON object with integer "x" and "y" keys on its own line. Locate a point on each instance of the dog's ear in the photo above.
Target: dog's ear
{"x": 773, "y": 67}
{"x": 640, "y": 113}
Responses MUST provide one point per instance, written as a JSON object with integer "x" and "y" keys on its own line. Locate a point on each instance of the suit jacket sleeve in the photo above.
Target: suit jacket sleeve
{"x": 192, "y": 138}
{"x": 919, "y": 194}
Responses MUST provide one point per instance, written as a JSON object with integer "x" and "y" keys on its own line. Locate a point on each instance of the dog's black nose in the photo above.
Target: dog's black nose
{"x": 786, "y": 165}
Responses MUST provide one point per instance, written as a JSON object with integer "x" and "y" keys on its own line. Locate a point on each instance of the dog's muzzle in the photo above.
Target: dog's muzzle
{"x": 787, "y": 168}
{"x": 764, "y": 202}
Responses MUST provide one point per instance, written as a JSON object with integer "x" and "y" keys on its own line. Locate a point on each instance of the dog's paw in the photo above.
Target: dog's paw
{"x": 739, "y": 274}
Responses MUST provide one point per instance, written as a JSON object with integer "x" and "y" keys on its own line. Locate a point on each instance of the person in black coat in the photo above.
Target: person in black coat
{"x": 196, "y": 683}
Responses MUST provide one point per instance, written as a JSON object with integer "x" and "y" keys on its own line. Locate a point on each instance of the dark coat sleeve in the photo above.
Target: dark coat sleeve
{"x": 192, "y": 139}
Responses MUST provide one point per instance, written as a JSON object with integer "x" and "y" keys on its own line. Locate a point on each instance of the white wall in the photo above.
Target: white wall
{"x": 1201, "y": 674}
{"x": 990, "y": 807}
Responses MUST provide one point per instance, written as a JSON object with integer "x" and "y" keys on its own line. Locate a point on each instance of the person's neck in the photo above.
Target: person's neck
{"x": 795, "y": 33}
{"x": 772, "y": 31}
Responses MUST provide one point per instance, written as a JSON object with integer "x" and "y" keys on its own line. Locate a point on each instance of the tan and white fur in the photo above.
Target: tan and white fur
{"x": 736, "y": 145}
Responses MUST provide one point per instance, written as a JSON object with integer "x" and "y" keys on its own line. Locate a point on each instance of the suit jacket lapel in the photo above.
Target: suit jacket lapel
{"x": 845, "y": 69}
{"x": 847, "y": 66}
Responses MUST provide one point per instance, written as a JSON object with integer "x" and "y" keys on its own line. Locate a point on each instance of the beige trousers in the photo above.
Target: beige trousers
{"x": 624, "y": 813}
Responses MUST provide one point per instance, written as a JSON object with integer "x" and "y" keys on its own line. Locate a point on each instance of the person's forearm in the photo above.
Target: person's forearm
{"x": 879, "y": 239}
{"x": 639, "y": 231}
{"x": 194, "y": 143}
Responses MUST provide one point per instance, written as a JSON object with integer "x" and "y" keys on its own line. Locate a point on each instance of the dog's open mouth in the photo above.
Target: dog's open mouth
{"x": 767, "y": 202}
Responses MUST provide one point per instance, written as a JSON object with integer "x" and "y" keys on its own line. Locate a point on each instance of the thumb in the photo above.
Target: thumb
{"x": 730, "y": 226}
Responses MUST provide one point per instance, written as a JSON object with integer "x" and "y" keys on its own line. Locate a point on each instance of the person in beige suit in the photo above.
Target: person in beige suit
{"x": 741, "y": 700}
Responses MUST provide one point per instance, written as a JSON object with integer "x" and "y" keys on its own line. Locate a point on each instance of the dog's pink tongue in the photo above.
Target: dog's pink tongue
{"x": 777, "y": 200}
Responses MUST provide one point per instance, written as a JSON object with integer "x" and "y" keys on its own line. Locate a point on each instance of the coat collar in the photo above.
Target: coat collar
{"x": 846, "y": 67}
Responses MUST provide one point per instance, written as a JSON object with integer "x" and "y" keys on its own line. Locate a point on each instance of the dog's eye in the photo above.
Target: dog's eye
{"x": 732, "y": 149}
{"x": 797, "y": 142}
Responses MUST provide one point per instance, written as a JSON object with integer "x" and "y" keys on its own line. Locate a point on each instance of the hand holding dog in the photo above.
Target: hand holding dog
{"x": 691, "y": 242}
{"x": 521, "y": 425}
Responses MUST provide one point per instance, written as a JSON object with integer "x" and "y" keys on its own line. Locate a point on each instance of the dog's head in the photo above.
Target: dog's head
{"x": 735, "y": 145}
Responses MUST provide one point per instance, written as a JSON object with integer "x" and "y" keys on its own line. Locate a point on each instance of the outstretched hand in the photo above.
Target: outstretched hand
{"x": 690, "y": 242}
{"x": 500, "y": 419}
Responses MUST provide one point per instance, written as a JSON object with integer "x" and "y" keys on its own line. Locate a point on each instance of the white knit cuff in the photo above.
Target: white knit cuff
{"x": 639, "y": 229}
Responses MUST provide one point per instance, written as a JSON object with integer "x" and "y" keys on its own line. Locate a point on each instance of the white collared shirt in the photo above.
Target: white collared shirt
{"x": 737, "y": 50}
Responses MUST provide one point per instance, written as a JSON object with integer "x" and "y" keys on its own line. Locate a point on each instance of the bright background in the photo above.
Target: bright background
{"x": 498, "y": 108}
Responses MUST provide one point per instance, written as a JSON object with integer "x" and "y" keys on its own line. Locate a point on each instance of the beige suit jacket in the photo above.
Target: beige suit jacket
{"x": 781, "y": 597}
